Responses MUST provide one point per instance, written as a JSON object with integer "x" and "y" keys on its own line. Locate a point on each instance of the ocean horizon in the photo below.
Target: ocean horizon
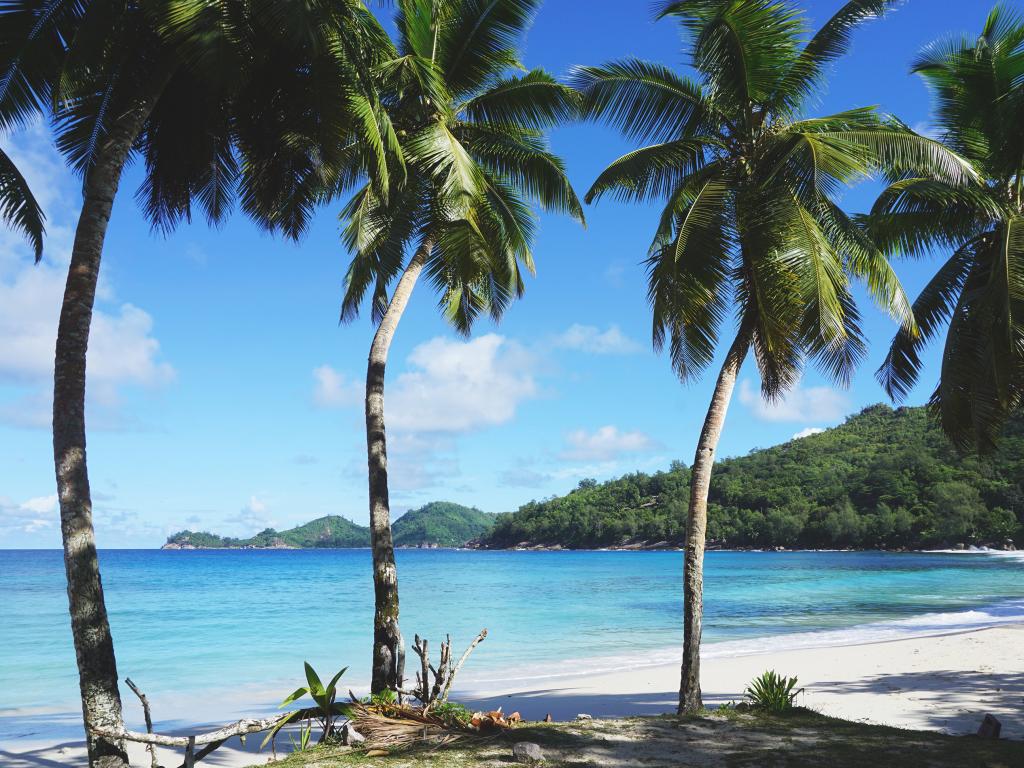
{"x": 210, "y": 635}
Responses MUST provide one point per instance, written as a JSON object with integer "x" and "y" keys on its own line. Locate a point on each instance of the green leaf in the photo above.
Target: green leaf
{"x": 18, "y": 206}
{"x": 316, "y": 688}
{"x": 290, "y": 717}
{"x": 293, "y": 697}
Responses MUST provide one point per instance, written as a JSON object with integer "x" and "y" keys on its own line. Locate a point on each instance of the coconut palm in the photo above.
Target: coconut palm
{"x": 751, "y": 221}
{"x": 18, "y": 206}
{"x": 471, "y": 125}
{"x": 978, "y": 292}
{"x": 165, "y": 81}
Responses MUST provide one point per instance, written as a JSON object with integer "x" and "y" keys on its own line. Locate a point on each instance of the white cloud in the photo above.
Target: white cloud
{"x": 452, "y": 386}
{"x": 799, "y": 404}
{"x": 807, "y": 432}
{"x": 253, "y": 517}
{"x": 41, "y": 504}
{"x": 332, "y": 389}
{"x": 122, "y": 348}
{"x": 604, "y": 444}
{"x": 31, "y": 516}
{"x": 589, "y": 338}
{"x": 459, "y": 386}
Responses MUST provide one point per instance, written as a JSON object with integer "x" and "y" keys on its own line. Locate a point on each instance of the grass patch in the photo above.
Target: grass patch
{"x": 799, "y": 738}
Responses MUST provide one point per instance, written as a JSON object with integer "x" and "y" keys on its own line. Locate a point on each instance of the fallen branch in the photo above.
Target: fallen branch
{"x": 149, "y": 720}
{"x": 241, "y": 728}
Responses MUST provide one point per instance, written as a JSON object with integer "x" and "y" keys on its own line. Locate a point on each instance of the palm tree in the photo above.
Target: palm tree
{"x": 18, "y": 206}
{"x": 751, "y": 220}
{"x": 182, "y": 85}
{"x": 978, "y": 291}
{"x": 472, "y": 136}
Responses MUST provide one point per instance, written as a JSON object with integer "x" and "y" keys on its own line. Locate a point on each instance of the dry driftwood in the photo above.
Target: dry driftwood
{"x": 149, "y": 720}
{"x": 434, "y": 683}
{"x": 240, "y": 728}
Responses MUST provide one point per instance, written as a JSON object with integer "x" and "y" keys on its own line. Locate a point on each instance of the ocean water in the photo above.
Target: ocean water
{"x": 219, "y": 627}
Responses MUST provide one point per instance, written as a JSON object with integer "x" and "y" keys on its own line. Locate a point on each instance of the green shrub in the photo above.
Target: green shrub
{"x": 385, "y": 698}
{"x": 326, "y": 711}
{"x": 453, "y": 713}
{"x": 772, "y": 692}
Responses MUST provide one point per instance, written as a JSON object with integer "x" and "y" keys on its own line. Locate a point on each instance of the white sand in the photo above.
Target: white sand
{"x": 945, "y": 683}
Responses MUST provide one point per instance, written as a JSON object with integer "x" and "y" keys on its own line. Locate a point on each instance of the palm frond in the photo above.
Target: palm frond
{"x": 522, "y": 160}
{"x": 688, "y": 269}
{"x": 645, "y": 101}
{"x": 33, "y": 39}
{"x": 932, "y": 309}
{"x": 740, "y": 48}
{"x": 18, "y": 206}
{"x": 829, "y": 43}
{"x": 436, "y": 149}
{"x": 477, "y": 40}
{"x": 535, "y": 100}
{"x": 653, "y": 172}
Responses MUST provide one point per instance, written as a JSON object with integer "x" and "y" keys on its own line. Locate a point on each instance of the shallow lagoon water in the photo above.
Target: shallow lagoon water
{"x": 213, "y": 626}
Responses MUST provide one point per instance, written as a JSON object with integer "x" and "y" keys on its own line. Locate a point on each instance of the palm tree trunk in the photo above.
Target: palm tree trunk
{"x": 388, "y": 646}
{"x": 696, "y": 525}
{"x": 94, "y": 647}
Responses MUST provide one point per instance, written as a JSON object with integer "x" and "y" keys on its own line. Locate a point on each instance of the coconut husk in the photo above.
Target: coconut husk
{"x": 492, "y": 721}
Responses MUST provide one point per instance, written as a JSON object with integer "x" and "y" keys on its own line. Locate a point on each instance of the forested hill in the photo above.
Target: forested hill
{"x": 442, "y": 523}
{"x": 438, "y": 524}
{"x": 884, "y": 479}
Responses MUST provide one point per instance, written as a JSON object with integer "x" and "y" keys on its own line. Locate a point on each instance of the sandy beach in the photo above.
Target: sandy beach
{"x": 945, "y": 683}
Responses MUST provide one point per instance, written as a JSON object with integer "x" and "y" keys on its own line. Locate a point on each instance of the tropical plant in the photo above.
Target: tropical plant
{"x": 304, "y": 737}
{"x": 201, "y": 92}
{"x": 18, "y": 206}
{"x": 751, "y": 221}
{"x": 471, "y": 129}
{"x": 772, "y": 692}
{"x": 978, "y": 292}
{"x": 327, "y": 709}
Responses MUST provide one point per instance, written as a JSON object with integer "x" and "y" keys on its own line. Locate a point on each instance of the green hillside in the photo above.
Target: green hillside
{"x": 439, "y": 523}
{"x": 886, "y": 478}
{"x": 331, "y": 532}
{"x": 442, "y": 523}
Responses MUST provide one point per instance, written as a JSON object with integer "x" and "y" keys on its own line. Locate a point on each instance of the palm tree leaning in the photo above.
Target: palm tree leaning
{"x": 471, "y": 131}
{"x": 978, "y": 85}
{"x": 750, "y": 219}
{"x": 160, "y": 81}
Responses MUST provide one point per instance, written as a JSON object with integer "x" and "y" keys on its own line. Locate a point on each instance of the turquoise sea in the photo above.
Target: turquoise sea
{"x": 225, "y": 631}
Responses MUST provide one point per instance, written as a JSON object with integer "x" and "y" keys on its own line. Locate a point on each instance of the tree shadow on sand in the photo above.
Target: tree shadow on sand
{"x": 955, "y": 690}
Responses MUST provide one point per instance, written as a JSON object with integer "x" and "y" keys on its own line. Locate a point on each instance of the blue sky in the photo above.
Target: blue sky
{"x": 223, "y": 394}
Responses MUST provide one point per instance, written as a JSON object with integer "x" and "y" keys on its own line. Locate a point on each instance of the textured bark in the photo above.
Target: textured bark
{"x": 94, "y": 647}
{"x": 388, "y": 647}
{"x": 696, "y": 525}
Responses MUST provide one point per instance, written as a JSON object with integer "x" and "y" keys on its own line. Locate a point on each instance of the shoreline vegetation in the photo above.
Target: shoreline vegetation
{"x": 885, "y": 480}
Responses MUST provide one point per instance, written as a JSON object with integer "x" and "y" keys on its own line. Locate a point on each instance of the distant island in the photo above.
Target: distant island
{"x": 438, "y": 524}
{"x": 885, "y": 479}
